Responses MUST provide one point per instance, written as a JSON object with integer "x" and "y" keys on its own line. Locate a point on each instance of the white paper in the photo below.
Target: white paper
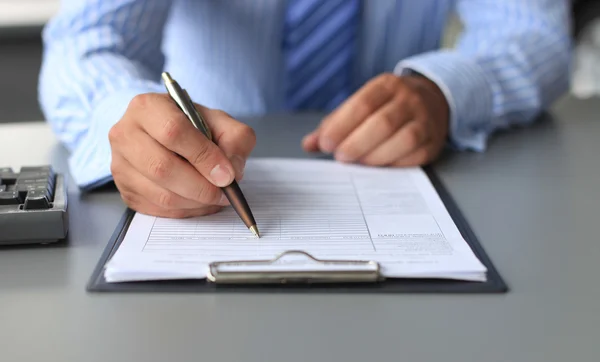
{"x": 330, "y": 210}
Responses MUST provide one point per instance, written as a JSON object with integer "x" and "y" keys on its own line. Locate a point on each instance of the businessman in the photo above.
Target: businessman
{"x": 392, "y": 97}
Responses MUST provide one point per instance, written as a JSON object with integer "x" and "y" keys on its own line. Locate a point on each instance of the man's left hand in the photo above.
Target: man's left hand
{"x": 391, "y": 121}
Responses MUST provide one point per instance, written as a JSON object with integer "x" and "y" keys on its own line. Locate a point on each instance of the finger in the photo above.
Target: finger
{"x": 141, "y": 205}
{"x": 236, "y": 139}
{"x": 406, "y": 140}
{"x": 232, "y": 136}
{"x": 310, "y": 142}
{"x": 131, "y": 179}
{"x": 171, "y": 128}
{"x": 164, "y": 168}
{"x": 374, "y": 131}
{"x": 421, "y": 156}
{"x": 337, "y": 126}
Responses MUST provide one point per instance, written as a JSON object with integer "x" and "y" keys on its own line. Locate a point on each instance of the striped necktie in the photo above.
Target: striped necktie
{"x": 319, "y": 46}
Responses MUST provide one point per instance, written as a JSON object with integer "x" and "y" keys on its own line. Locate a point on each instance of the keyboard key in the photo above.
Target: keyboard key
{"x": 2, "y": 188}
{"x": 25, "y": 169}
{"x": 36, "y": 180}
{"x": 32, "y": 176}
{"x": 36, "y": 200}
{"x": 7, "y": 176}
{"x": 39, "y": 179}
{"x": 34, "y": 173}
{"x": 23, "y": 189}
{"x": 10, "y": 198}
{"x": 33, "y": 181}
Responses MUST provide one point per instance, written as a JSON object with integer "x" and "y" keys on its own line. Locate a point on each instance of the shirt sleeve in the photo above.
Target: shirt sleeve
{"x": 511, "y": 62}
{"x": 98, "y": 54}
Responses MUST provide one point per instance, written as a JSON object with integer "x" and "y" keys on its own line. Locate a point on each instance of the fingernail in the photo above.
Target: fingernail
{"x": 342, "y": 157}
{"x": 238, "y": 165}
{"x": 221, "y": 176}
{"x": 327, "y": 145}
{"x": 224, "y": 201}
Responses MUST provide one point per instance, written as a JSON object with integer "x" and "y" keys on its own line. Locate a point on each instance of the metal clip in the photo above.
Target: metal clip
{"x": 324, "y": 271}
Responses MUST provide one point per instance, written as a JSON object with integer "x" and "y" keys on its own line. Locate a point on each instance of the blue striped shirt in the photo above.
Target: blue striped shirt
{"x": 510, "y": 63}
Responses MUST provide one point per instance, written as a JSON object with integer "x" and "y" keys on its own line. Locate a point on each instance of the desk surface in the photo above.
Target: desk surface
{"x": 533, "y": 200}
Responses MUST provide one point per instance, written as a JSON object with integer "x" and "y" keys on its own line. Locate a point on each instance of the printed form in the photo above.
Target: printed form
{"x": 327, "y": 209}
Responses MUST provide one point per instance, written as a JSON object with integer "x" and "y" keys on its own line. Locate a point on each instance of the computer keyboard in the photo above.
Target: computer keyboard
{"x": 33, "y": 206}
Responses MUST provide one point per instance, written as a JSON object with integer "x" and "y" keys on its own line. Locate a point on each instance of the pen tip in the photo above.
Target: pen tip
{"x": 167, "y": 77}
{"x": 254, "y": 230}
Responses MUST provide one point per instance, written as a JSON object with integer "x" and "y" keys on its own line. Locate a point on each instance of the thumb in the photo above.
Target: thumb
{"x": 234, "y": 138}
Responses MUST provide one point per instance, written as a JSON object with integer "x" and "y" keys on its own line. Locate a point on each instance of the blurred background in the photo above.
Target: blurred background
{"x": 21, "y": 22}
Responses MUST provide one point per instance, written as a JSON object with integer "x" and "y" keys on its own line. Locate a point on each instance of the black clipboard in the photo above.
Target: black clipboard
{"x": 493, "y": 284}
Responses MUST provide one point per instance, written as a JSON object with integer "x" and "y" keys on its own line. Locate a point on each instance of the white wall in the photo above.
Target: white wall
{"x": 26, "y": 12}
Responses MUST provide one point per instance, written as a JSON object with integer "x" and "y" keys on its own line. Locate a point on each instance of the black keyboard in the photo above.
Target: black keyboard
{"x": 33, "y": 206}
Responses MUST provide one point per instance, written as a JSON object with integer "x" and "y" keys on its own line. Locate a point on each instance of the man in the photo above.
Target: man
{"x": 395, "y": 98}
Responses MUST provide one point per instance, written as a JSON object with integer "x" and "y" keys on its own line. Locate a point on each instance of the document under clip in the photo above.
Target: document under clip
{"x": 300, "y": 267}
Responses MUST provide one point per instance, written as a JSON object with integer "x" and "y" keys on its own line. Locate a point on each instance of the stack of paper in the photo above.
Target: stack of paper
{"x": 330, "y": 210}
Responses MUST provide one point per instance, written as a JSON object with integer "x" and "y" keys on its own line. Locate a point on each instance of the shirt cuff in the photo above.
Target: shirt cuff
{"x": 89, "y": 163}
{"x": 466, "y": 89}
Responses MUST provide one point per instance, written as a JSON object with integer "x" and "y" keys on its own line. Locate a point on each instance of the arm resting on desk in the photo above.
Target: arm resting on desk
{"x": 510, "y": 64}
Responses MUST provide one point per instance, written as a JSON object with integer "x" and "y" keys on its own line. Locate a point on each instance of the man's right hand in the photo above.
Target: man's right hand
{"x": 150, "y": 174}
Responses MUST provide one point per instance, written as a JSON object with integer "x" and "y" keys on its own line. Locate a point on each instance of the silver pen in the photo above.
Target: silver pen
{"x": 233, "y": 192}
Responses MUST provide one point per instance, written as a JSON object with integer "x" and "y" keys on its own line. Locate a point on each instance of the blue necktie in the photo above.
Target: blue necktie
{"x": 319, "y": 46}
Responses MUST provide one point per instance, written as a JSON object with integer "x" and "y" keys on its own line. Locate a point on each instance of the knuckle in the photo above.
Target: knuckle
{"x": 159, "y": 168}
{"x": 118, "y": 170}
{"x": 413, "y": 138}
{"x": 363, "y": 106}
{"x": 141, "y": 100}
{"x": 114, "y": 169}
{"x": 389, "y": 81}
{"x": 172, "y": 130}
{"x": 115, "y": 134}
{"x": 129, "y": 198}
{"x": 165, "y": 200}
{"x": 387, "y": 123}
{"x": 246, "y": 134}
{"x": 201, "y": 154}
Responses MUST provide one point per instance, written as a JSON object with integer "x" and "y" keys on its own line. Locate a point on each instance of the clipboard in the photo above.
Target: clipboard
{"x": 348, "y": 276}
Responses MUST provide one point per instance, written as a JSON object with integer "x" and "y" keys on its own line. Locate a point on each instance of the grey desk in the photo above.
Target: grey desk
{"x": 533, "y": 199}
